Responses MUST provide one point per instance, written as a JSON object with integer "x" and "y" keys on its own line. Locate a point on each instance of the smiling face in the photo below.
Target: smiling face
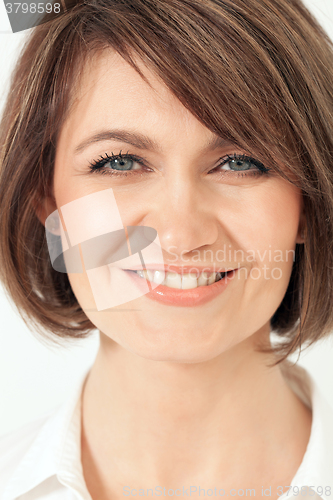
{"x": 210, "y": 206}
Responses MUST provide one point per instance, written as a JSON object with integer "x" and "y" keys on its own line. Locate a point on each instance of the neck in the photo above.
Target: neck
{"x": 191, "y": 420}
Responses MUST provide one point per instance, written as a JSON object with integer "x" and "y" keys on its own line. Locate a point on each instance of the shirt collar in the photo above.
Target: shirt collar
{"x": 56, "y": 450}
{"x": 57, "y": 447}
{"x": 316, "y": 469}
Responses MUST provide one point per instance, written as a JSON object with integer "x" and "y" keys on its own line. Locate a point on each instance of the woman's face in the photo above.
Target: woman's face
{"x": 205, "y": 211}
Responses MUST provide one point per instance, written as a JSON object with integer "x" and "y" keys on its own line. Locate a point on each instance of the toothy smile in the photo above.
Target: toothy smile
{"x": 181, "y": 281}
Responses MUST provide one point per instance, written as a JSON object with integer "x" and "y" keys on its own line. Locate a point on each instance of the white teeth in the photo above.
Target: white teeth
{"x": 148, "y": 274}
{"x": 211, "y": 279}
{"x": 175, "y": 280}
{"x": 203, "y": 279}
{"x": 159, "y": 277}
{"x": 189, "y": 281}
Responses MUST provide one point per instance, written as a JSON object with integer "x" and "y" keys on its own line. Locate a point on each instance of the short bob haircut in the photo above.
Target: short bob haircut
{"x": 257, "y": 72}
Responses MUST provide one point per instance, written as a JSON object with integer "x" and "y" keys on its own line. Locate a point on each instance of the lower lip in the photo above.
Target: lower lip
{"x": 184, "y": 298}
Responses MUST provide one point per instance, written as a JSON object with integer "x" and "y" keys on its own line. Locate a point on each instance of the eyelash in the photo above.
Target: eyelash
{"x": 97, "y": 166}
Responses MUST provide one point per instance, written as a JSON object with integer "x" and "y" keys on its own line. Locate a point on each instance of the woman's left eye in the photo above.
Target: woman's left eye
{"x": 241, "y": 163}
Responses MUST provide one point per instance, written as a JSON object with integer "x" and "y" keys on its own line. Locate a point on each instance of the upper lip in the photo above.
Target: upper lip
{"x": 181, "y": 269}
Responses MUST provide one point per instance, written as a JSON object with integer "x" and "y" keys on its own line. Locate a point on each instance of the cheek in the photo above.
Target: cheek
{"x": 82, "y": 291}
{"x": 96, "y": 241}
{"x": 280, "y": 217}
{"x": 271, "y": 236}
{"x": 263, "y": 218}
{"x": 87, "y": 218}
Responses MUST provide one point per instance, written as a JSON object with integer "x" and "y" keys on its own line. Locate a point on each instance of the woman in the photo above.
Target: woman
{"x": 209, "y": 124}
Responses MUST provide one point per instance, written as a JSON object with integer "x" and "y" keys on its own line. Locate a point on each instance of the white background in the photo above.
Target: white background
{"x": 35, "y": 378}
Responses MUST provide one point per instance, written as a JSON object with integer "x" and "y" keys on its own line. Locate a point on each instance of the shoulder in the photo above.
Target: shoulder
{"x": 14, "y": 446}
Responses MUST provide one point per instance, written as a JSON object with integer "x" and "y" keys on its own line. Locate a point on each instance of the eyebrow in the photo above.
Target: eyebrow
{"x": 140, "y": 141}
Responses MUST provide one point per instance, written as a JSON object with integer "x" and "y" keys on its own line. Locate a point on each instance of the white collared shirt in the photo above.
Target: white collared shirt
{"x": 42, "y": 460}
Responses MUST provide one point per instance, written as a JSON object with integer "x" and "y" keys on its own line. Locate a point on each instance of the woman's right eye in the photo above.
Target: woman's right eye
{"x": 117, "y": 164}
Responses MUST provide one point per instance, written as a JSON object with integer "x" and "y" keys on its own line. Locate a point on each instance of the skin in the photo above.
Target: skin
{"x": 178, "y": 395}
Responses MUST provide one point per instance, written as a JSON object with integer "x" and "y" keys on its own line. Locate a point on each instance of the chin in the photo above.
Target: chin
{"x": 179, "y": 346}
{"x": 182, "y": 356}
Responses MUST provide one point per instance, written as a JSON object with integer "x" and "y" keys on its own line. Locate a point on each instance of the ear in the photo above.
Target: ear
{"x": 301, "y": 226}
{"x": 44, "y": 208}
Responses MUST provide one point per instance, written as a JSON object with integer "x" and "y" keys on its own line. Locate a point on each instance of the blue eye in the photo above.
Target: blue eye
{"x": 118, "y": 163}
{"x": 239, "y": 165}
{"x": 242, "y": 163}
{"x": 122, "y": 163}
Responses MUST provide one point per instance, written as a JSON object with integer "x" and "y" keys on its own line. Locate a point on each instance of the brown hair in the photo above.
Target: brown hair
{"x": 258, "y": 72}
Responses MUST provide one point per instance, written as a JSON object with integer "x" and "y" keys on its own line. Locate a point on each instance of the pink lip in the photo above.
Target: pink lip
{"x": 184, "y": 298}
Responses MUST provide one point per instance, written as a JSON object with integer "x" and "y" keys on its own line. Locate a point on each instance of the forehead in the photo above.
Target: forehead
{"x": 110, "y": 93}
{"x": 107, "y": 72}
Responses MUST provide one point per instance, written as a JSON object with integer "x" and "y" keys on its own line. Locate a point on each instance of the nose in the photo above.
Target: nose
{"x": 183, "y": 215}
